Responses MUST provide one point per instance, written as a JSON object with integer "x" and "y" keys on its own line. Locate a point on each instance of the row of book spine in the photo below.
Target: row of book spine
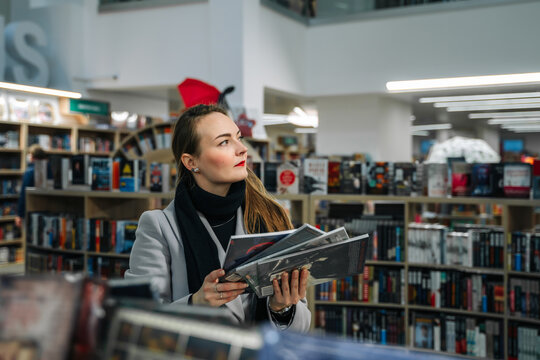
{"x": 435, "y": 244}
{"x": 9, "y": 139}
{"x": 8, "y": 232}
{"x": 523, "y": 342}
{"x": 10, "y": 161}
{"x": 10, "y": 186}
{"x": 51, "y": 142}
{"x": 149, "y": 141}
{"x": 11, "y": 254}
{"x": 365, "y": 325}
{"x": 524, "y": 252}
{"x": 388, "y": 240}
{"x": 321, "y": 176}
{"x": 69, "y": 232}
{"x": 93, "y": 144}
{"x": 56, "y": 263}
{"x": 106, "y": 268}
{"x": 375, "y": 285}
{"x": 456, "y": 290}
{"x": 524, "y": 297}
{"x": 8, "y": 208}
{"x": 456, "y": 334}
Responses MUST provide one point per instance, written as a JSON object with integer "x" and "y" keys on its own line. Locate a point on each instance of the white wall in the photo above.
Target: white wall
{"x": 360, "y": 57}
{"x": 149, "y": 47}
{"x": 142, "y": 105}
{"x": 371, "y": 124}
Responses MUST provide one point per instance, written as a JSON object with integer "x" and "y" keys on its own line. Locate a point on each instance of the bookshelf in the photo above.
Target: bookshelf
{"x": 56, "y": 139}
{"x": 516, "y": 215}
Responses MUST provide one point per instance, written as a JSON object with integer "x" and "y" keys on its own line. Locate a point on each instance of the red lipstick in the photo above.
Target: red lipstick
{"x": 241, "y": 163}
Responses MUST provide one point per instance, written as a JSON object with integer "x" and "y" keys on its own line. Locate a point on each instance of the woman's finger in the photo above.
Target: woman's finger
{"x": 294, "y": 284}
{"x": 285, "y": 286}
{"x": 303, "y": 283}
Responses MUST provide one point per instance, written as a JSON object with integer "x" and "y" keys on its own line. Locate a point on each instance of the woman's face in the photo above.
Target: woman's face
{"x": 222, "y": 157}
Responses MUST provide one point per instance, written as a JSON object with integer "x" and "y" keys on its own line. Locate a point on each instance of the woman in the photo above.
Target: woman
{"x": 183, "y": 246}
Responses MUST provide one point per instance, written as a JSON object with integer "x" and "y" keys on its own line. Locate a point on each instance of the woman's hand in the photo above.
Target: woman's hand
{"x": 289, "y": 294}
{"x": 214, "y": 293}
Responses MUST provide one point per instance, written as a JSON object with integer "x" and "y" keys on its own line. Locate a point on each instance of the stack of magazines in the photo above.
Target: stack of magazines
{"x": 258, "y": 259}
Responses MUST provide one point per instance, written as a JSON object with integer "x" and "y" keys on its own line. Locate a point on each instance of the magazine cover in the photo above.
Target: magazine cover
{"x": 243, "y": 247}
{"x": 334, "y": 176}
{"x": 351, "y": 177}
{"x": 536, "y": 179}
{"x": 325, "y": 263}
{"x": 128, "y": 175}
{"x": 315, "y": 176}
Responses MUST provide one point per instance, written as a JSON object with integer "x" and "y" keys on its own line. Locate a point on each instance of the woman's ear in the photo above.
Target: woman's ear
{"x": 188, "y": 161}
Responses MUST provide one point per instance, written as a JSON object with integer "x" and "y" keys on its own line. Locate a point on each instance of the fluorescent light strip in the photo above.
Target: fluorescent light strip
{"x": 524, "y": 126}
{"x": 431, "y": 127}
{"x": 420, "y": 133}
{"x": 526, "y": 131}
{"x": 513, "y": 121}
{"x": 493, "y": 107}
{"x": 305, "y": 130}
{"x": 487, "y": 102}
{"x": 465, "y": 81}
{"x": 428, "y": 100}
{"x": 40, "y": 90}
{"x": 508, "y": 114}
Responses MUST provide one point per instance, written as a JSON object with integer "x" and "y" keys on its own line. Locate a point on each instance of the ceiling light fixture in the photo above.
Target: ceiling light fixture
{"x": 460, "y": 82}
{"x": 420, "y": 133}
{"x": 513, "y": 121}
{"x": 428, "y": 100}
{"x": 521, "y": 126}
{"x": 507, "y": 114}
{"x": 40, "y": 90}
{"x": 487, "y": 102}
{"x": 493, "y": 107}
{"x": 445, "y": 126}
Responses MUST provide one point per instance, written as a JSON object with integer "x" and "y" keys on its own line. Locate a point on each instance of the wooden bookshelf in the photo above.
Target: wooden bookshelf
{"x": 524, "y": 320}
{"x": 467, "y": 269}
{"x": 359, "y": 303}
{"x": 455, "y": 311}
{"x": 12, "y": 269}
{"x": 524, "y": 274}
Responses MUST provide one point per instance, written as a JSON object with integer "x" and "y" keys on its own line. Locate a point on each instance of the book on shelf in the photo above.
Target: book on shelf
{"x": 129, "y": 175}
{"x": 404, "y": 183}
{"x": 524, "y": 252}
{"x": 328, "y": 256}
{"x": 160, "y": 177}
{"x": 270, "y": 175}
{"x": 524, "y": 298}
{"x": 101, "y": 174}
{"x": 315, "y": 176}
{"x": 351, "y": 177}
{"x": 79, "y": 169}
{"x": 40, "y": 174}
{"x": 334, "y": 177}
{"x": 10, "y": 186}
{"x": 523, "y": 341}
{"x": 536, "y": 179}
{"x": 517, "y": 180}
{"x": 461, "y": 178}
{"x": 377, "y": 178}
{"x": 288, "y": 177}
{"x": 60, "y": 171}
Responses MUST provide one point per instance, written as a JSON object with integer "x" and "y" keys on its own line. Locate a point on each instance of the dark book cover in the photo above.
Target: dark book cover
{"x": 270, "y": 176}
{"x": 351, "y": 177}
{"x": 497, "y": 180}
{"x": 481, "y": 180}
{"x": 101, "y": 174}
{"x": 156, "y": 177}
{"x": 79, "y": 165}
{"x": 334, "y": 177}
{"x": 377, "y": 178}
{"x": 404, "y": 178}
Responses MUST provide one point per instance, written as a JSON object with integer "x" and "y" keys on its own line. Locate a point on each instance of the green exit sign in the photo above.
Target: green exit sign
{"x": 81, "y": 106}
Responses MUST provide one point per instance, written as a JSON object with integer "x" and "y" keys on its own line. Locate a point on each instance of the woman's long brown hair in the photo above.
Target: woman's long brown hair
{"x": 260, "y": 205}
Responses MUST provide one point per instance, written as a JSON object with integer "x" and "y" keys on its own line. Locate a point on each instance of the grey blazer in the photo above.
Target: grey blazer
{"x": 158, "y": 253}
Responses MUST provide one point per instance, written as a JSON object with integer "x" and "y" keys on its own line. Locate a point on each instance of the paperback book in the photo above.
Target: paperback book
{"x": 315, "y": 176}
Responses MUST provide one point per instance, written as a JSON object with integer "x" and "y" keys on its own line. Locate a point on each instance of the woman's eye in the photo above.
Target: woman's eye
{"x": 224, "y": 142}
{"x": 241, "y": 138}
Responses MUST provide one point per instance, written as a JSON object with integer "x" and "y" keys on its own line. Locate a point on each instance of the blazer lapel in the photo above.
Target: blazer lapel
{"x": 235, "y": 306}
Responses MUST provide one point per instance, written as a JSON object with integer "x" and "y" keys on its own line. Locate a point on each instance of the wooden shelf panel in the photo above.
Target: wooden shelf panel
{"x": 455, "y": 311}
{"x": 443, "y": 353}
{"x": 428, "y": 200}
{"x": 11, "y": 242}
{"x": 524, "y": 320}
{"x": 104, "y": 254}
{"x": 7, "y": 218}
{"x": 475, "y": 270}
{"x": 11, "y": 172}
{"x": 53, "y": 250}
{"x": 359, "y": 303}
{"x": 100, "y": 194}
{"x": 384, "y": 263}
{"x": 524, "y": 274}
{"x": 11, "y": 196}
{"x": 12, "y": 269}
{"x": 10, "y": 150}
